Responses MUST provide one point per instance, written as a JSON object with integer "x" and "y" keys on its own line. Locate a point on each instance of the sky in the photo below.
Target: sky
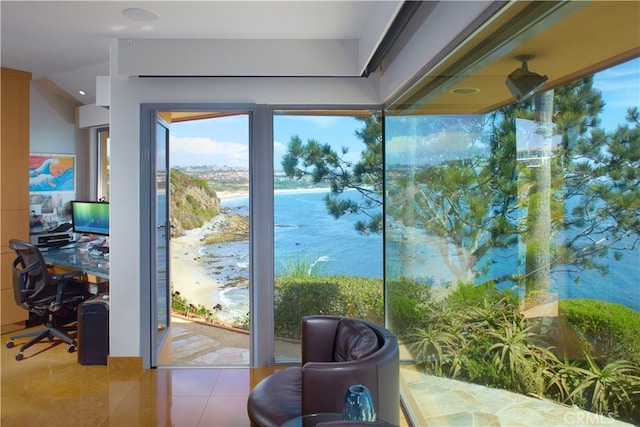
{"x": 224, "y": 141}
{"x": 221, "y": 141}
{"x": 620, "y": 87}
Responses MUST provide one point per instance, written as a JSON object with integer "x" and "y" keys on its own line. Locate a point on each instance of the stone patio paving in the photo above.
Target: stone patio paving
{"x": 442, "y": 402}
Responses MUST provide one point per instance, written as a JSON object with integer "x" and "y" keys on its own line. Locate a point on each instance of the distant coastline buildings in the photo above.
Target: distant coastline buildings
{"x": 232, "y": 175}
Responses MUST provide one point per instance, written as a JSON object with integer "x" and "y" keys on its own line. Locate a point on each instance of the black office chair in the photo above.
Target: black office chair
{"x": 54, "y": 297}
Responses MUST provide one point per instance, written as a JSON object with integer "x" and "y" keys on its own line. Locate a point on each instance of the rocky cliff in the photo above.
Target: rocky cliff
{"x": 193, "y": 202}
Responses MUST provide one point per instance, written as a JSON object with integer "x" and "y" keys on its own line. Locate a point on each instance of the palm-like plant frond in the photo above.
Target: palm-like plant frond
{"x": 434, "y": 347}
{"x": 611, "y": 388}
{"x": 512, "y": 348}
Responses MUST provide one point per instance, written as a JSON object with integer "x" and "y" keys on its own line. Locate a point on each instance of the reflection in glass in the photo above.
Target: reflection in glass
{"x": 510, "y": 234}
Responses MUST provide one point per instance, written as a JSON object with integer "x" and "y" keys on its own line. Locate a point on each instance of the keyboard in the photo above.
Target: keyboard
{"x": 103, "y": 249}
{"x": 57, "y": 243}
{"x": 62, "y": 228}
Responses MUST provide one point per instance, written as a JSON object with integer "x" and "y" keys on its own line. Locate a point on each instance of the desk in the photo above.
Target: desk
{"x": 76, "y": 257}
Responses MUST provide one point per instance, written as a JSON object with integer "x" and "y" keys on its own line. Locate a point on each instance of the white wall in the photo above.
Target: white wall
{"x": 53, "y": 129}
{"x": 127, "y": 94}
{"x": 148, "y": 57}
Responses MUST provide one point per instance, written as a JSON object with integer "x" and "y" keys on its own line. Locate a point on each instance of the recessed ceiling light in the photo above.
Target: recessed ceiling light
{"x": 81, "y": 92}
{"x": 464, "y": 90}
{"x": 138, "y": 14}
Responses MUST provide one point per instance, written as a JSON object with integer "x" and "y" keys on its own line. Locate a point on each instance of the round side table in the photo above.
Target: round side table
{"x": 310, "y": 420}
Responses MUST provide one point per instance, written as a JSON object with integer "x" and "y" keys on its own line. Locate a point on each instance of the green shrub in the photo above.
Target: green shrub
{"x": 612, "y": 389}
{"x": 480, "y": 369}
{"x": 420, "y": 292}
{"x": 612, "y": 329}
{"x": 468, "y": 294}
{"x": 408, "y": 305}
{"x": 298, "y": 296}
{"x": 479, "y": 335}
{"x": 406, "y": 315}
{"x": 179, "y": 303}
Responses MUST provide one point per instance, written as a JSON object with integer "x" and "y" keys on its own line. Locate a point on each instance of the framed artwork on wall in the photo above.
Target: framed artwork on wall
{"x": 52, "y": 172}
{"x": 52, "y": 186}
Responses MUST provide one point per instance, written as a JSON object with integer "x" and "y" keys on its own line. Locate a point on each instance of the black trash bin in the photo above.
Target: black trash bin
{"x": 93, "y": 330}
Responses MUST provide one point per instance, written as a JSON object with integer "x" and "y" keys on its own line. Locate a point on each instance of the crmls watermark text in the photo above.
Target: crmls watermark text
{"x": 587, "y": 418}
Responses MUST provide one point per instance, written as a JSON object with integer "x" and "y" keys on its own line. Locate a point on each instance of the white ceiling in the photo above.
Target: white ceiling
{"x": 67, "y": 42}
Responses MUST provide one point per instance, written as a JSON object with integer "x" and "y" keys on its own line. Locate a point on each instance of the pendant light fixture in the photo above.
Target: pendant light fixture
{"x": 523, "y": 83}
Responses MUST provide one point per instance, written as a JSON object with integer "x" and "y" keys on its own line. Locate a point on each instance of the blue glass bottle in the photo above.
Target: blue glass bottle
{"x": 358, "y": 404}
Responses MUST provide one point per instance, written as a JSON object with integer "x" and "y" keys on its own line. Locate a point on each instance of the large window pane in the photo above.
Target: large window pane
{"x": 327, "y": 215}
{"x": 512, "y": 244}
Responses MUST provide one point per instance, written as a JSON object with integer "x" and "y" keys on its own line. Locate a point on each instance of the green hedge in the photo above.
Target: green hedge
{"x": 298, "y": 296}
{"x": 409, "y": 305}
{"x": 612, "y": 329}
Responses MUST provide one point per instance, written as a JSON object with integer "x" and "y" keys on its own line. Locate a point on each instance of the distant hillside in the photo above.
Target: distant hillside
{"x": 193, "y": 202}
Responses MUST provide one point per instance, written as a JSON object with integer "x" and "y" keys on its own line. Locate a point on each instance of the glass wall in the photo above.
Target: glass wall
{"x": 512, "y": 249}
{"x": 328, "y": 219}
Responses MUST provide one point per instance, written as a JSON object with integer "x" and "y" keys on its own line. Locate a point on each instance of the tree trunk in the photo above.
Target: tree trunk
{"x": 537, "y": 273}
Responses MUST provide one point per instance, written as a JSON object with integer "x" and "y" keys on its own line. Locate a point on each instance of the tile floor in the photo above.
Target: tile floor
{"x": 50, "y": 388}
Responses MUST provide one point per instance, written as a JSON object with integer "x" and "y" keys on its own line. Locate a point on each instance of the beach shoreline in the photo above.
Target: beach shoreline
{"x": 188, "y": 275}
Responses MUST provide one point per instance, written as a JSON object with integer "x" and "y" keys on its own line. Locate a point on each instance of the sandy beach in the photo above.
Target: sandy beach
{"x": 188, "y": 276}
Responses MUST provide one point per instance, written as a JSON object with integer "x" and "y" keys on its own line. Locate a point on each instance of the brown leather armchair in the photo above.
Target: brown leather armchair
{"x": 337, "y": 352}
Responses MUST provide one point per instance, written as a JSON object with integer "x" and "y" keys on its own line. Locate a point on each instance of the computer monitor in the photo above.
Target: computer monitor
{"x": 90, "y": 217}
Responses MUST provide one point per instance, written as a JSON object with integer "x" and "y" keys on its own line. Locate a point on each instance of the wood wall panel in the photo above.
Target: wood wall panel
{"x": 14, "y": 183}
{"x": 11, "y": 310}
{"x": 6, "y": 258}
{"x": 14, "y": 151}
{"x": 12, "y": 225}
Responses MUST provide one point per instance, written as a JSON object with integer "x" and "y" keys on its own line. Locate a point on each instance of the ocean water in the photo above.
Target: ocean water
{"x": 305, "y": 231}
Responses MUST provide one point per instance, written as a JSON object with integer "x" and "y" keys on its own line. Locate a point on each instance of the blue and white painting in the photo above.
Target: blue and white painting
{"x": 51, "y": 172}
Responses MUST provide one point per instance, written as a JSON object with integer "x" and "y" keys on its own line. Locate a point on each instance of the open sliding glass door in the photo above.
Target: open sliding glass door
{"x": 160, "y": 292}
{"x": 229, "y": 299}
